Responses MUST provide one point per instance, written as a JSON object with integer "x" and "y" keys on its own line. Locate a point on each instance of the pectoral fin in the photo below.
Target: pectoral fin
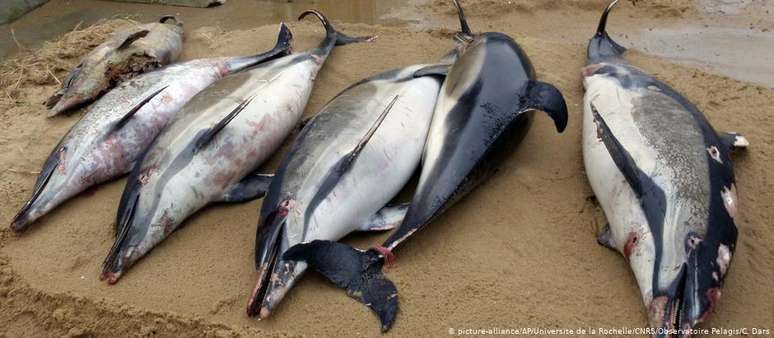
{"x": 605, "y": 238}
{"x": 545, "y": 97}
{"x": 387, "y": 218}
{"x": 435, "y": 70}
{"x": 133, "y": 37}
{"x": 249, "y": 188}
{"x": 734, "y": 141}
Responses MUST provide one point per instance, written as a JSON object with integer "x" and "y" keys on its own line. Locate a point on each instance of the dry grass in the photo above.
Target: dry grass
{"x": 50, "y": 63}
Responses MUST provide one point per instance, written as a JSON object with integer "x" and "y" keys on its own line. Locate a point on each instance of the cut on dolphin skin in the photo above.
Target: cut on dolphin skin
{"x": 484, "y": 110}
{"x": 127, "y": 53}
{"x": 213, "y": 148}
{"x": 118, "y": 128}
{"x": 665, "y": 180}
{"x": 348, "y": 162}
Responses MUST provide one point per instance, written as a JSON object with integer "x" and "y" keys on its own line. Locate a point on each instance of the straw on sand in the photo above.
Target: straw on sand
{"x": 52, "y": 62}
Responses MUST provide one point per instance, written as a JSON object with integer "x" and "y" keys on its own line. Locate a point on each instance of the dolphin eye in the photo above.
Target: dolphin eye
{"x": 714, "y": 153}
{"x": 694, "y": 241}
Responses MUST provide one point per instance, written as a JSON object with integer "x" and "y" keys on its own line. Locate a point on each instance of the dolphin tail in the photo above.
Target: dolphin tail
{"x": 464, "y": 28}
{"x": 358, "y": 272}
{"x": 331, "y": 34}
{"x": 175, "y": 20}
{"x": 545, "y": 97}
{"x": 601, "y": 45}
{"x": 281, "y": 48}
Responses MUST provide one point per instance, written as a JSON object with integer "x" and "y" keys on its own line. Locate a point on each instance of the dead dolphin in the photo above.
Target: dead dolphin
{"x": 207, "y": 154}
{"x": 122, "y": 124}
{"x": 665, "y": 181}
{"x": 349, "y": 161}
{"x": 484, "y": 109}
{"x": 125, "y": 54}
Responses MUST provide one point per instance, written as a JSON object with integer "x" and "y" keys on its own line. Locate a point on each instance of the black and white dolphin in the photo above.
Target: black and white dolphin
{"x": 485, "y": 108}
{"x": 350, "y": 160}
{"x": 210, "y": 151}
{"x": 665, "y": 181}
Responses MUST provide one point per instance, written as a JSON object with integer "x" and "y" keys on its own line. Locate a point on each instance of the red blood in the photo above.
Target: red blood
{"x": 713, "y": 295}
{"x": 631, "y": 243}
{"x": 389, "y": 257}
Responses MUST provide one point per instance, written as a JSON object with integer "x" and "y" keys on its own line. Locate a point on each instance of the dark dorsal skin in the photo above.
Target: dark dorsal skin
{"x": 691, "y": 296}
{"x": 483, "y": 111}
{"x": 492, "y": 82}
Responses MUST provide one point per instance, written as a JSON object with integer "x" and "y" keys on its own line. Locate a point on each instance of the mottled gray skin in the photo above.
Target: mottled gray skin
{"x": 672, "y": 212}
{"x": 183, "y": 171}
{"x": 125, "y": 54}
{"x": 111, "y": 136}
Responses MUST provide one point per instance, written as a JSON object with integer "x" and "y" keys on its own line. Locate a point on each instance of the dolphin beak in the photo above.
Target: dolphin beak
{"x": 67, "y": 103}
{"x": 267, "y": 248}
{"x": 21, "y": 222}
{"x": 256, "y": 298}
{"x": 689, "y": 303}
{"x": 664, "y": 313}
{"x": 29, "y": 213}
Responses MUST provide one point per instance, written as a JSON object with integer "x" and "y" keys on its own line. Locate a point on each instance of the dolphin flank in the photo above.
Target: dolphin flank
{"x": 115, "y": 131}
{"x": 484, "y": 109}
{"x": 350, "y": 160}
{"x": 665, "y": 180}
{"x": 210, "y": 152}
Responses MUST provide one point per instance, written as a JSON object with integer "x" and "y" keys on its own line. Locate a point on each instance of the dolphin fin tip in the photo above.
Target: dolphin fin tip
{"x": 358, "y": 272}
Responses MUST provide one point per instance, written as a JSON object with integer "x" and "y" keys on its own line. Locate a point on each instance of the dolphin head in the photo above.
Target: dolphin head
{"x": 54, "y": 185}
{"x": 694, "y": 292}
{"x": 275, "y": 275}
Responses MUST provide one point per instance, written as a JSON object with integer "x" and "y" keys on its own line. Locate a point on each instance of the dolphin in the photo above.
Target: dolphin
{"x": 484, "y": 109}
{"x": 127, "y": 53}
{"x": 116, "y": 130}
{"x": 665, "y": 180}
{"x": 348, "y": 162}
{"x": 210, "y": 151}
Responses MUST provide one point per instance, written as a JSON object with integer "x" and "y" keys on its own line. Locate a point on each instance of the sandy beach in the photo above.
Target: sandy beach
{"x": 519, "y": 251}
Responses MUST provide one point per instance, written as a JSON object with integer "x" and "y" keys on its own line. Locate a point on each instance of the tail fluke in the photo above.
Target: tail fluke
{"x": 603, "y": 20}
{"x": 601, "y": 45}
{"x": 358, "y": 272}
{"x": 281, "y": 48}
{"x": 464, "y": 28}
{"x": 332, "y": 34}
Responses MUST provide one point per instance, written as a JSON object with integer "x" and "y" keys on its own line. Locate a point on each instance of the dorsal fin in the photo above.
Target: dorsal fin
{"x": 209, "y": 135}
{"x": 344, "y": 165}
{"x": 120, "y": 123}
{"x": 367, "y": 137}
{"x": 133, "y": 37}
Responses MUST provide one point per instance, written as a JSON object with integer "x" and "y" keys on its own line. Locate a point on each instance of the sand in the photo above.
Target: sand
{"x": 519, "y": 251}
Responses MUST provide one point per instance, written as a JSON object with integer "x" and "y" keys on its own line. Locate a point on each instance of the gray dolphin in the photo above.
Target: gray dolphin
{"x": 116, "y": 130}
{"x": 127, "y": 53}
{"x": 485, "y": 108}
{"x": 665, "y": 180}
{"x": 211, "y": 149}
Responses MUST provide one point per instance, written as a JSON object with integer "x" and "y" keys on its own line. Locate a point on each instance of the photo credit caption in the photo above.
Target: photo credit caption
{"x": 624, "y": 331}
